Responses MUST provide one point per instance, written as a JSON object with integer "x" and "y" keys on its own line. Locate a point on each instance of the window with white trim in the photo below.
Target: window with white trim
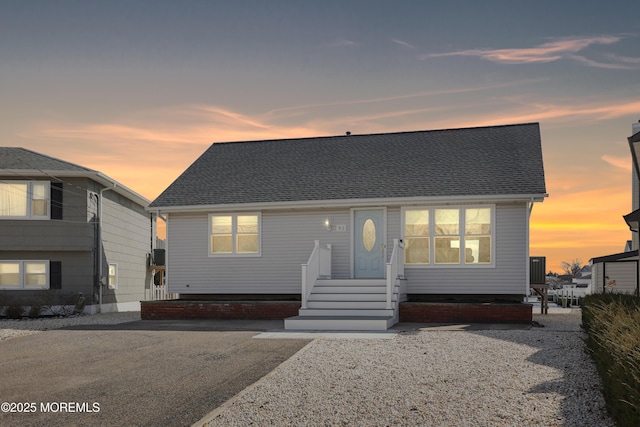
{"x": 24, "y": 274}
{"x": 24, "y": 199}
{"x": 448, "y": 236}
{"x": 234, "y": 234}
{"x": 113, "y": 276}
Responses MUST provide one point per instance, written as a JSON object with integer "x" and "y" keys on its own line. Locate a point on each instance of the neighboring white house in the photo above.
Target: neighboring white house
{"x": 445, "y": 210}
{"x": 582, "y": 278}
{"x": 619, "y": 272}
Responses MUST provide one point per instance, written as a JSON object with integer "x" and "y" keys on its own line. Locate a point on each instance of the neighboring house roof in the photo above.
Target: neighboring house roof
{"x": 584, "y": 271}
{"x": 624, "y": 256}
{"x": 482, "y": 161}
{"x": 17, "y": 162}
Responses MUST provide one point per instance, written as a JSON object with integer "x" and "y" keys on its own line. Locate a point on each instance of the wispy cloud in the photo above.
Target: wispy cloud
{"x": 421, "y": 94}
{"x": 619, "y": 162}
{"x": 343, "y": 42}
{"x": 624, "y": 59}
{"x": 605, "y": 65}
{"x": 546, "y": 52}
{"x": 403, "y": 43}
{"x": 560, "y": 112}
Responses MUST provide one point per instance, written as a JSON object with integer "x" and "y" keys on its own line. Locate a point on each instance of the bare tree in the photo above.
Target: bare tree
{"x": 571, "y": 267}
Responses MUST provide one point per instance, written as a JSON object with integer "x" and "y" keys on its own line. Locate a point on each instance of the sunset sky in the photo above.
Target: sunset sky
{"x": 139, "y": 89}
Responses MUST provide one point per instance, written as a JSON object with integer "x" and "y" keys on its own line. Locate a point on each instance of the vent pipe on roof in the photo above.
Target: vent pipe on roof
{"x": 348, "y": 133}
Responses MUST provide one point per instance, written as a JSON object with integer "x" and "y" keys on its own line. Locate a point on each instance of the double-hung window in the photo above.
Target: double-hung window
{"x": 24, "y": 274}
{"x": 234, "y": 234}
{"x": 24, "y": 199}
{"x": 448, "y": 236}
{"x": 477, "y": 238}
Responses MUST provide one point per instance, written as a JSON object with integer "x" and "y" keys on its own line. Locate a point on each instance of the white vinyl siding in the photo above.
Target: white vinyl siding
{"x": 287, "y": 239}
{"x": 622, "y": 272}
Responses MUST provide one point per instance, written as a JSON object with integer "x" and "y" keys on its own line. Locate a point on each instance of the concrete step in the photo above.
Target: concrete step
{"x": 337, "y": 323}
{"x": 326, "y": 289}
{"x": 370, "y": 305}
{"x": 380, "y": 297}
{"x": 351, "y": 282}
{"x": 344, "y": 312}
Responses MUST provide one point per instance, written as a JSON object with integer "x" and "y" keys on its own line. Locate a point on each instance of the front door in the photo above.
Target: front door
{"x": 369, "y": 244}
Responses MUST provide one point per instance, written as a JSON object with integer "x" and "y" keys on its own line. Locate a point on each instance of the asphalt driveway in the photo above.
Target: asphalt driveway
{"x": 143, "y": 373}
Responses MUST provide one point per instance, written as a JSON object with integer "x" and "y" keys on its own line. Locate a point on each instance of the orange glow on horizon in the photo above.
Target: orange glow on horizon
{"x": 581, "y": 218}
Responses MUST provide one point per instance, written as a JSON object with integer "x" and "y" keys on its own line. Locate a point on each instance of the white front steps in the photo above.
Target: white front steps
{"x": 346, "y": 305}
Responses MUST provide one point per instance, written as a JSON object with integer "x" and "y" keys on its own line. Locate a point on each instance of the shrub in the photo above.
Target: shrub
{"x": 14, "y": 311}
{"x": 612, "y": 322}
{"x": 34, "y": 311}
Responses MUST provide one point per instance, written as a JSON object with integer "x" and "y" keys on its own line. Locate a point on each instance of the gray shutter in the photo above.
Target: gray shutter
{"x": 55, "y": 274}
{"x": 56, "y": 200}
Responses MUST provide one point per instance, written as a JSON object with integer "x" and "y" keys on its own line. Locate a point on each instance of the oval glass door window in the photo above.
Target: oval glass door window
{"x": 369, "y": 235}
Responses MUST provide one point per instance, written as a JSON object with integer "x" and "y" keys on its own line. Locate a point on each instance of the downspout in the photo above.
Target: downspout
{"x": 528, "y": 257}
{"x": 101, "y": 281}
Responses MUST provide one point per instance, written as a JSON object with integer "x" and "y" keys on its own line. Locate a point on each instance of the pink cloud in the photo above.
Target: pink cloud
{"x": 546, "y": 52}
{"x": 619, "y": 162}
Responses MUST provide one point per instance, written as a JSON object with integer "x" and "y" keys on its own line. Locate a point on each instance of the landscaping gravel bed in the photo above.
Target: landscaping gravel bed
{"x": 541, "y": 376}
{"x": 10, "y": 328}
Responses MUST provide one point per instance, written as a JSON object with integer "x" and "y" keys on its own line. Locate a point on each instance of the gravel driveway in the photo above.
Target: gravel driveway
{"x": 540, "y": 376}
{"x": 470, "y": 376}
{"x": 99, "y": 371}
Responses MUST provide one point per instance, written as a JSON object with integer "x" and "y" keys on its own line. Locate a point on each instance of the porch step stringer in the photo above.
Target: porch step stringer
{"x": 347, "y": 305}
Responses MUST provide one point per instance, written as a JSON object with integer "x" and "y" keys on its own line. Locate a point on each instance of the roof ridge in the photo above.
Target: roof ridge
{"x": 349, "y": 134}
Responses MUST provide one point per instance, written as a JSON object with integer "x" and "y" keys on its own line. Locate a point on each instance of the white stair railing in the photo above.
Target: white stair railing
{"x": 395, "y": 271}
{"x": 318, "y": 266}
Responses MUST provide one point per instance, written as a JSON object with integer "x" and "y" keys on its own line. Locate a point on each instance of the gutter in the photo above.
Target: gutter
{"x": 349, "y": 203}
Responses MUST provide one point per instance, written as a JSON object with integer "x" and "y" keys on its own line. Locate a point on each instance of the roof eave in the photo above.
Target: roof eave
{"x": 350, "y": 203}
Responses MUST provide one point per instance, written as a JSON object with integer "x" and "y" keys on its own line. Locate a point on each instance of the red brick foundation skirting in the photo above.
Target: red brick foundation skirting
{"x": 420, "y": 312}
{"x": 426, "y": 312}
{"x": 177, "y": 309}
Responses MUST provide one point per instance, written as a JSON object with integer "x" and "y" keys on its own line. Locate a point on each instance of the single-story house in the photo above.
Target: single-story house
{"x": 69, "y": 235}
{"x": 351, "y": 226}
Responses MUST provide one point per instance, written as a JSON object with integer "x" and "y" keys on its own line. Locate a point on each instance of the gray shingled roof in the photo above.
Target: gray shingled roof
{"x": 496, "y": 160}
{"x": 16, "y": 158}
{"x": 20, "y": 162}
